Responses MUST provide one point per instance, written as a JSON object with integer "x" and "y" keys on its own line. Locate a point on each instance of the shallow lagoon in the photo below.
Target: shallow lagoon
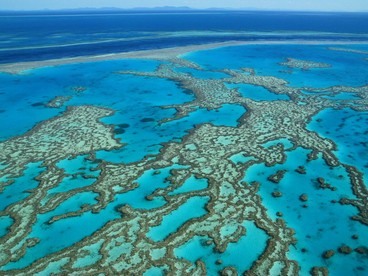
{"x": 266, "y": 59}
{"x": 241, "y": 254}
{"x": 257, "y": 93}
{"x": 320, "y": 219}
{"x": 193, "y": 208}
{"x": 347, "y": 128}
{"x": 17, "y": 190}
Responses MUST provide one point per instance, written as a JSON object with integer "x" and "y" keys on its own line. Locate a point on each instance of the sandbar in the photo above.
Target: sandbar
{"x": 158, "y": 54}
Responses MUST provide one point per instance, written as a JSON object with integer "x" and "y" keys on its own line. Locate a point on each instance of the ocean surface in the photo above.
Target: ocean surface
{"x": 175, "y": 181}
{"x": 28, "y": 36}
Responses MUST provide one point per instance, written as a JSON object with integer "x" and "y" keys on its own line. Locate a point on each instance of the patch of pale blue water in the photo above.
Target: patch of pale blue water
{"x": 321, "y": 219}
{"x": 241, "y": 254}
{"x": 144, "y": 138}
{"x": 17, "y": 191}
{"x": 257, "y": 93}
{"x": 22, "y": 99}
{"x": 342, "y": 96}
{"x": 148, "y": 183}
{"x": 241, "y": 158}
{"x": 266, "y": 59}
{"x": 23, "y": 96}
{"x": 226, "y": 115}
{"x": 79, "y": 164}
{"x": 69, "y": 183}
{"x": 154, "y": 271}
{"x": 194, "y": 207}
{"x": 190, "y": 185}
{"x": 347, "y": 128}
{"x": 71, "y": 204}
{"x": 316, "y": 92}
{"x": 5, "y": 223}
{"x": 80, "y": 172}
{"x": 285, "y": 142}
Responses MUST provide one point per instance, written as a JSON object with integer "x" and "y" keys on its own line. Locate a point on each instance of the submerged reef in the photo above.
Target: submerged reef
{"x": 135, "y": 239}
{"x": 58, "y": 101}
{"x": 348, "y": 50}
{"x": 304, "y": 64}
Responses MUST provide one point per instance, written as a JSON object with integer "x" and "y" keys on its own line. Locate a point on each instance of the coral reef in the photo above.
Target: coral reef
{"x": 123, "y": 245}
{"x": 304, "y": 64}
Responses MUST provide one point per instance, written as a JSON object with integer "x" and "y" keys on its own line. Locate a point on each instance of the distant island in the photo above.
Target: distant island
{"x": 164, "y": 9}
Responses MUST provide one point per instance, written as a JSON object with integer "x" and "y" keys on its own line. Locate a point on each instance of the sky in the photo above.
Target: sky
{"x": 300, "y": 5}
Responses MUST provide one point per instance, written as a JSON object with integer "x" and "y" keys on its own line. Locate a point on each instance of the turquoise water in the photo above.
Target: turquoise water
{"x": 154, "y": 271}
{"x": 143, "y": 139}
{"x": 190, "y": 185}
{"x": 348, "y": 129}
{"x": 17, "y": 191}
{"x": 342, "y": 96}
{"x": 226, "y": 115}
{"x": 241, "y": 254}
{"x": 193, "y": 208}
{"x": 267, "y": 61}
{"x": 321, "y": 219}
{"x": 79, "y": 164}
{"x": 80, "y": 172}
{"x": 37, "y": 87}
{"x": 148, "y": 183}
{"x": 257, "y": 93}
{"x": 285, "y": 142}
{"x": 241, "y": 158}
{"x": 5, "y": 223}
{"x": 70, "y": 183}
{"x": 104, "y": 88}
{"x": 108, "y": 89}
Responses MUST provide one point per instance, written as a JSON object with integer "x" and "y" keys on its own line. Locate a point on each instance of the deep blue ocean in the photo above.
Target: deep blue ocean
{"x": 49, "y": 35}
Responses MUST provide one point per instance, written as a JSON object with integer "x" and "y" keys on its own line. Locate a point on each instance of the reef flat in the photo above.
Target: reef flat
{"x": 216, "y": 192}
{"x": 160, "y": 54}
{"x": 348, "y": 50}
{"x": 304, "y": 64}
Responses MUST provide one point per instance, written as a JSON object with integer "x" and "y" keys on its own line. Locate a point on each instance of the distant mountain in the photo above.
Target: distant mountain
{"x": 164, "y": 8}
{"x": 144, "y": 9}
{"x": 101, "y": 10}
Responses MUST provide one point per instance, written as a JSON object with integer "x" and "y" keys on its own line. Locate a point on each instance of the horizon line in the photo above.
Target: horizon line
{"x": 179, "y": 8}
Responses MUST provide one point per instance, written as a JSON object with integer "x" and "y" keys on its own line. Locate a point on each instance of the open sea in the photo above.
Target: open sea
{"x": 242, "y": 159}
{"x": 29, "y": 36}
